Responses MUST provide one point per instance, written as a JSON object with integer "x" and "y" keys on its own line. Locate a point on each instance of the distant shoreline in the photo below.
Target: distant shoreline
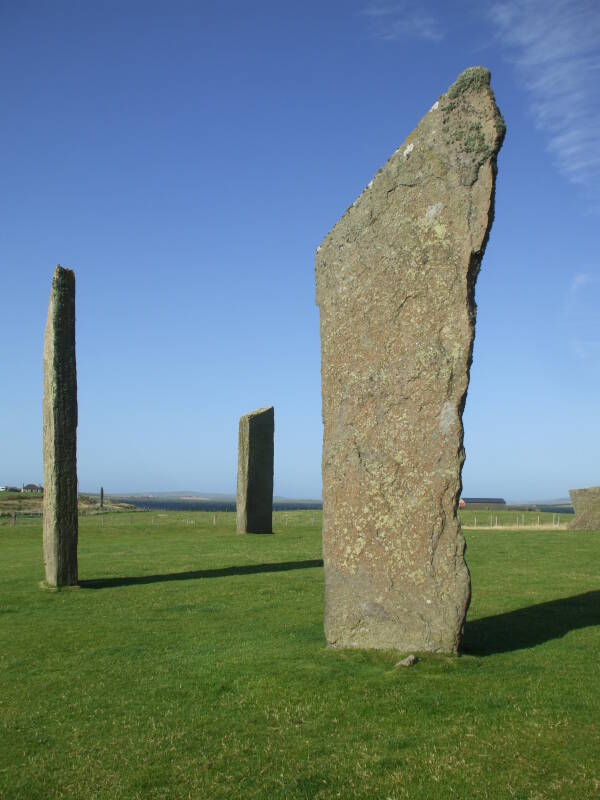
{"x": 207, "y": 504}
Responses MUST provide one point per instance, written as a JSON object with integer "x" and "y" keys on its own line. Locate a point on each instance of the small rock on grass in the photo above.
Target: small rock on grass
{"x": 409, "y": 661}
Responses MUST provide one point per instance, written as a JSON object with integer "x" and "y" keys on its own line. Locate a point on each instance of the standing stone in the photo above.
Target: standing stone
{"x": 586, "y": 503}
{"x": 255, "y": 472}
{"x": 395, "y": 287}
{"x": 102, "y": 497}
{"x": 60, "y": 434}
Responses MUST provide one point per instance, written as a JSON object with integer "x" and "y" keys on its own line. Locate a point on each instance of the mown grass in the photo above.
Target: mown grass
{"x": 191, "y": 664}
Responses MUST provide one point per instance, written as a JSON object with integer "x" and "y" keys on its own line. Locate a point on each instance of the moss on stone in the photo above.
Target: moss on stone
{"x": 474, "y": 78}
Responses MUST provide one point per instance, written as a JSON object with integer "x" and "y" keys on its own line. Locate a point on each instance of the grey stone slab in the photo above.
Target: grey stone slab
{"x": 586, "y": 503}
{"x": 395, "y": 288}
{"x": 255, "y": 472}
{"x": 60, "y": 434}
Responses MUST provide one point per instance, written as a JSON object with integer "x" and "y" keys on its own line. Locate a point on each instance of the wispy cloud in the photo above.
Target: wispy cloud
{"x": 392, "y": 22}
{"x": 582, "y": 316}
{"x": 555, "y": 45}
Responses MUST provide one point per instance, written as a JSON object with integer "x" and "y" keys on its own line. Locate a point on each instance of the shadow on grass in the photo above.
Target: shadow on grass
{"x": 528, "y": 627}
{"x": 222, "y": 572}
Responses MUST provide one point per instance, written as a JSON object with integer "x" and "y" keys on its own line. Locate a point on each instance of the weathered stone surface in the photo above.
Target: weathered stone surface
{"x": 255, "y": 472}
{"x": 586, "y": 503}
{"x": 395, "y": 287}
{"x": 60, "y": 434}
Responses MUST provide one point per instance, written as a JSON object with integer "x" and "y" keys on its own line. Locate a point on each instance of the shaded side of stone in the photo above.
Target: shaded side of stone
{"x": 60, "y": 434}
{"x": 395, "y": 288}
{"x": 586, "y": 503}
{"x": 255, "y": 472}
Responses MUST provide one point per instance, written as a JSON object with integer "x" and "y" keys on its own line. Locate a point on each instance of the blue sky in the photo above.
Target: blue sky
{"x": 187, "y": 158}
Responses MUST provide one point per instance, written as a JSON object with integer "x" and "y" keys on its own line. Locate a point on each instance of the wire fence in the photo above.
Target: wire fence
{"x": 515, "y": 520}
{"x": 282, "y": 520}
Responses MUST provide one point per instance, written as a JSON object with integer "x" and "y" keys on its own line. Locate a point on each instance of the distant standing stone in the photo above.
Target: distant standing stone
{"x": 586, "y": 503}
{"x": 395, "y": 288}
{"x": 255, "y": 472}
{"x": 60, "y": 434}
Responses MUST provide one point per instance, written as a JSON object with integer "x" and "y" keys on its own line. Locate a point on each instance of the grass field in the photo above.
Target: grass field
{"x": 191, "y": 664}
{"x": 514, "y": 520}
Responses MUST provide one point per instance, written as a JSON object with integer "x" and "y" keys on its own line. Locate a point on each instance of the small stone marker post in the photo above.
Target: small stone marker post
{"x": 586, "y": 504}
{"x": 60, "y": 434}
{"x": 254, "y": 505}
{"x": 395, "y": 288}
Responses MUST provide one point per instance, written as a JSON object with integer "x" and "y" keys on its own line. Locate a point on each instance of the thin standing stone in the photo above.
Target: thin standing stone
{"x": 395, "y": 288}
{"x": 255, "y": 472}
{"x": 60, "y": 434}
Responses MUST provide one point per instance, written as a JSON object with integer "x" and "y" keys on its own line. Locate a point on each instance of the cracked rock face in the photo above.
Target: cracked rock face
{"x": 60, "y": 434}
{"x": 254, "y": 504}
{"x": 586, "y": 503}
{"x": 395, "y": 288}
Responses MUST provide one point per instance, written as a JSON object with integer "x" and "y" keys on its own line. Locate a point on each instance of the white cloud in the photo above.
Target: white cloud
{"x": 555, "y": 45}
{"x": 582, "y": 316}
{"x": 392, "y": 22}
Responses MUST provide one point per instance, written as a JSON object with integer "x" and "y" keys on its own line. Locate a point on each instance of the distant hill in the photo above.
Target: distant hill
{"x": 561, "y": 501}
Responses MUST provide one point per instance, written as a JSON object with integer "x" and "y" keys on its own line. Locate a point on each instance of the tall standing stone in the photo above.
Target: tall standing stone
{"x": 395, "y": 287}
{"x": 60, "y": 434}
{"x": 586, "y": 504}
{"x": 255, "y": 472}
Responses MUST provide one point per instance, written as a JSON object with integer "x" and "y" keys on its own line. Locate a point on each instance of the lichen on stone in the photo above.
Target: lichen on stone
{"x": 395, "y": 289}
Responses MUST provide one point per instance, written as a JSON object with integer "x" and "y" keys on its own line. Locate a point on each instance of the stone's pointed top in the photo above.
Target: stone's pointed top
{"x": 461, "y": 132}
{"x": 259, "y": 411}
{"x": 63, "y": 274}
{"x": 472, "y": 79}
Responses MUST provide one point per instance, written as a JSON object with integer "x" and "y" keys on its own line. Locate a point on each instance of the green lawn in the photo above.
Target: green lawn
{"x": 191, "y": 664}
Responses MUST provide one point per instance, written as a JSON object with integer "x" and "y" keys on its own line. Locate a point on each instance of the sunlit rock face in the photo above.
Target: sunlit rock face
{"x": 395, "y": 288}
